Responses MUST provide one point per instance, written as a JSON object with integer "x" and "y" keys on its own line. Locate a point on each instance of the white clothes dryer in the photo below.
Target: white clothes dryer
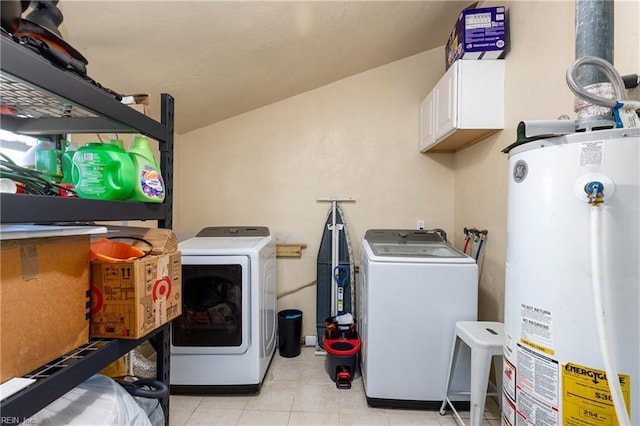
{"x": 413, "y": 287}
{"x": 226, "y": 336}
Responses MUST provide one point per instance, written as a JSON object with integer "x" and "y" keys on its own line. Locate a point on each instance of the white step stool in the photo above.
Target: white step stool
{"x": 486, "y": 340}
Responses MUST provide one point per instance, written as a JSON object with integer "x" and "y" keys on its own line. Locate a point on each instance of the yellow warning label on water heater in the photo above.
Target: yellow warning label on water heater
{"x": 538, "y": 347}
{"x": 586, "y": 399}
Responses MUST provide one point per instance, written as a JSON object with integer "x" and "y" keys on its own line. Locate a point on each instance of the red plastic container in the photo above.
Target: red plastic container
{"x": 340, "y": 361}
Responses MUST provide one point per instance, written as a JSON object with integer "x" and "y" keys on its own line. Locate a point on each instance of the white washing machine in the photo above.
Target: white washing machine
{"x": 413, "y": 287}
{"x": 226, "y": 336}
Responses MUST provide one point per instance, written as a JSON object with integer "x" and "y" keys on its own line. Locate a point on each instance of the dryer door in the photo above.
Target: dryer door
{"x": 215, "y": 306}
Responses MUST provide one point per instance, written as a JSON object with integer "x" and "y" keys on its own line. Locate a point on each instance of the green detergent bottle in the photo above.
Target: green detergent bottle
{"x": 29, "y": 158}
{"x": 117, "y": 142}
{"x": 48, "y": 162}
{"x": 149, "y": 186}
{"x": 103, "y": 172}
{"x": 67, "y": 162}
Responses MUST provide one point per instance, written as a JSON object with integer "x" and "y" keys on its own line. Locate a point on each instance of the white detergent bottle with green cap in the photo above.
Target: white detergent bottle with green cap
{"x": 149, "y": 187}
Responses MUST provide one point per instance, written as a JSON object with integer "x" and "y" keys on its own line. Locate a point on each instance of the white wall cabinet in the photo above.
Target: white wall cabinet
{"x": 464, "y": 107}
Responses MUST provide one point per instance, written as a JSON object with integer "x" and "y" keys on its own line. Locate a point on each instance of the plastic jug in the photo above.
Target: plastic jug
{"x": 103, "y": 172}
{"x": 149, "y": 186}
{"x": 48, "y": 162}
{"x": 67, "y": 162}
{"x": 117, "y": 142}
{"x": 29, "y": 157}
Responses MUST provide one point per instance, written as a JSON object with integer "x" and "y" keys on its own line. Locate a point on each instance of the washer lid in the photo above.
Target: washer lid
{"x": 414, "y": 250}
{"x": 403, "y": 236}
{"x": 411, "y": 245}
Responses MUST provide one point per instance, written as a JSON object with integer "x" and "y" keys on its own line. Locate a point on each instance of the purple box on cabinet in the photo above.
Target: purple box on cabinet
{"x": 478, "y": 34}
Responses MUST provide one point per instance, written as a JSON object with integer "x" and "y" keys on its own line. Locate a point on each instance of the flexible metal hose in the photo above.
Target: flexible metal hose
{"x": 610, "y": 72}
{"x": 141, "y": 365}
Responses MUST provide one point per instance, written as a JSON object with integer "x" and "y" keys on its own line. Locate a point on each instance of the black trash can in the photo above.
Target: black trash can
{"x": 289, "y": 332}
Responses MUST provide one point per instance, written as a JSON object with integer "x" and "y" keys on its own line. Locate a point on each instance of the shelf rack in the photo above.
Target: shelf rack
{"x": 50, "y": 100}
{"x": 63, "y": 374}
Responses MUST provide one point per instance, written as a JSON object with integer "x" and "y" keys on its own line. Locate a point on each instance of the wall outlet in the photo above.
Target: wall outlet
{"x": 309, "y": 340}
{"x": 420, "y": 224}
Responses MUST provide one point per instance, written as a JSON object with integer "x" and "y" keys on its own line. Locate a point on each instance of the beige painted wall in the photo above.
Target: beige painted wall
{"x": 535, "y": 89}
{"x": 542, "y": 48}
{"x": 358, "y": 138}
{"x": 355, "y": 138}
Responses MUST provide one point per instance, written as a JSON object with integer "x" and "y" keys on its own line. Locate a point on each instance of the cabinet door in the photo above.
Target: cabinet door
{"x": 480, "y": 94}
{"x": 446, "y": 92}
{"x": 427, "y": 127}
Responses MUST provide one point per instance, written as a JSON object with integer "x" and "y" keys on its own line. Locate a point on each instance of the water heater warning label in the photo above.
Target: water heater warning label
{"x": 537, "y": 388}
{"x": 586, "y": 399}
{"x": 591, "y": 153}
{"x": 536, "y": 328}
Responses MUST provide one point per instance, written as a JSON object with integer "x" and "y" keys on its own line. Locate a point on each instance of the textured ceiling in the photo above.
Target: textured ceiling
{"x": 219, "y": 59}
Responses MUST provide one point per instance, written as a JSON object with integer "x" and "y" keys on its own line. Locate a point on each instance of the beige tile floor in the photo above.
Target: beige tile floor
{"x": 298, "y": 391}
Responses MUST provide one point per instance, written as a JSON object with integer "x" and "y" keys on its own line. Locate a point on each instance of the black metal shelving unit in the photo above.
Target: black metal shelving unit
{"x": 59, "y": 376}
{"x": 51, "y": 100}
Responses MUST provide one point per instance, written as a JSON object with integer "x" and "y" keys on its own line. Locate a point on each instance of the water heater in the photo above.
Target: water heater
{"x": 562, "y": 333}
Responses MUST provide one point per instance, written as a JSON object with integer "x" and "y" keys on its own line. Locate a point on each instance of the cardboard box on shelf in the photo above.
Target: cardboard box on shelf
{"x": 140, "y": 102}
{"x": 129, "y": 299}
{"x": 159, "y": 240}
{"x": 44, "y": 300}
{"x": 480, "y": 33}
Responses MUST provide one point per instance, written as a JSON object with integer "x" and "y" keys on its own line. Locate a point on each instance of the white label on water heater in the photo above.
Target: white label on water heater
{"x": 537, "y": 387}
{"x": 533, "y": 412}
{"x": 508, "y": 411}
{"x": 509, "y": 379}
{"x": 536, "y": 328}
{"x": 591, "y": 153}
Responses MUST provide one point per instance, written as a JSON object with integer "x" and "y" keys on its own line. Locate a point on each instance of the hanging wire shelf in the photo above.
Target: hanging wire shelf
{"x": 24, "y": 101}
